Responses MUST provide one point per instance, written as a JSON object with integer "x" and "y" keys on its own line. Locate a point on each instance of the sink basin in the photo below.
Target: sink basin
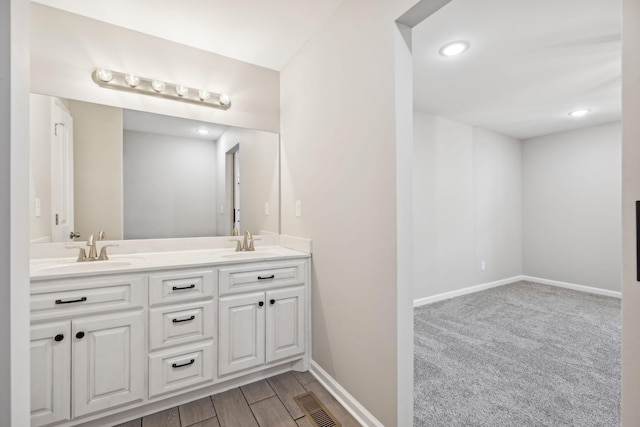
{"x": 251, "y": 254}
{"x": 80, "y": 267}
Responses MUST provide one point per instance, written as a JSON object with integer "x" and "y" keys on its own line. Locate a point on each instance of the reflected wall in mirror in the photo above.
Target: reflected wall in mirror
{"x": 140, "y": 175}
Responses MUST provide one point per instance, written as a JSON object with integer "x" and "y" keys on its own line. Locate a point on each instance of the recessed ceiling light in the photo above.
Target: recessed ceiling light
{"x": 454, "y": 48}
{"x": 202, "y": 131}
{"x": 579, "y": 113}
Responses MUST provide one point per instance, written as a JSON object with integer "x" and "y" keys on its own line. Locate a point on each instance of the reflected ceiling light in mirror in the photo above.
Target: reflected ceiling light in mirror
{"x": 203, "y": 131}
{"x": 454, "y": 48}
{"x": 182, "y": 90}
{"x": 132, "y": 83}
{"x": 580, "y": 113}
{"x": 132, "y": 80}
{"x": 104, "y": 75}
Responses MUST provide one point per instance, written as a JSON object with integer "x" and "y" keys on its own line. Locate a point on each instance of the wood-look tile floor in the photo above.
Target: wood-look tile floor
{"x": 266, "y": 403}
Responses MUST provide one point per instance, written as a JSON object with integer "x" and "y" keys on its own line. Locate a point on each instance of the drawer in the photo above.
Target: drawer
{"x": 255, "y": 277}
{"x": 180, "y": 324}
{"x": 77, "y": 298}
{"x": 180, "y": 286}
{"x": 180, "y": 368}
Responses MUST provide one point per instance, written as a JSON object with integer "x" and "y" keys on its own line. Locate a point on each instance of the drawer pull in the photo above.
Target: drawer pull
{"x": 266, "y": 277}
{"x": 59, "y": 337}
{"x": 183, "y": 320}
{"x": 261, "y": 303}
{"x": 71, "y": 301}
{"x": 182, "y": 288}
{"x": 190, "y": 362}
{"x": 272, "y": 301}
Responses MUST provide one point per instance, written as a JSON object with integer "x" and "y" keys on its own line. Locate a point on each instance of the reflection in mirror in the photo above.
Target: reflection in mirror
{"x": 140, "y": 175}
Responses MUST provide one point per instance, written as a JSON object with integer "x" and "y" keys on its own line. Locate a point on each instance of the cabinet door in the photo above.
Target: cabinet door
{"x": 50, "y": 372}
{"x": 241, "y": 339}
{"x": 108, "y": 361}
{"x": 285, "y": 323}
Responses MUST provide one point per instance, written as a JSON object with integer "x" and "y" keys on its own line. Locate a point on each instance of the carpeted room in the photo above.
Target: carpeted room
{"x": 517, "y": 219}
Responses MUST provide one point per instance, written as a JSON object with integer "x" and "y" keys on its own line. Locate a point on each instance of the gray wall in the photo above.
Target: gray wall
{"x": 572, "y": 216}
{"x": 14, "y": 213}
{"x": 467, "y": 206}
{"x": 339, "y": 142}
{"x": 631, "y": 193}
{"x": 169, "y": 185}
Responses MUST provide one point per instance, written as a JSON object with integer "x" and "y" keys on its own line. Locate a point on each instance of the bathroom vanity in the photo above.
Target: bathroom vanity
{"x": 118, "y": 339}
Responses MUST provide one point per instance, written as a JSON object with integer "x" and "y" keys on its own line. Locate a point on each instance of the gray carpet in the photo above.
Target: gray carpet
{"x": 523, "y": 354}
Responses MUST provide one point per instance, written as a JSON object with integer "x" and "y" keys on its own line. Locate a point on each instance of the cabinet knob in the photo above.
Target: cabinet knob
{"x": 261, "y": 303}
{"x": 59, "y": 337}
{"x": 272, "y": 301}
{"x": 80, "y": 335}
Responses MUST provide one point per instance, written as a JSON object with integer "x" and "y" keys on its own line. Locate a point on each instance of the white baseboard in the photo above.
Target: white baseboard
{"x": 477, "y": 288}
{"x": 354, "y": 407}
{"x": 573, "y": 286}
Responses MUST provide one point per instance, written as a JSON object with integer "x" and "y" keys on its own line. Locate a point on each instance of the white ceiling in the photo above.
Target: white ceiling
{"x": 530, "y": 62}
{"x": 265, "y": 33}
{"x": 529, "y": 65}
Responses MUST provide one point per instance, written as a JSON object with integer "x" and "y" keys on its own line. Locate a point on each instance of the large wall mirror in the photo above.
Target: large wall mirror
{"x": 138, "y": 175}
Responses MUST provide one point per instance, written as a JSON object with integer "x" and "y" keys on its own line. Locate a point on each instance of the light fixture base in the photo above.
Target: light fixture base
{"x": 145, "y": 87}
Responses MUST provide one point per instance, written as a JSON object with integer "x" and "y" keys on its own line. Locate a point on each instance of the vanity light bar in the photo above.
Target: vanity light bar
{"x": 132, "y": 83}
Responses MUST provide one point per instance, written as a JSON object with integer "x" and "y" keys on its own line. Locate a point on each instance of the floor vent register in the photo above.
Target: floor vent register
{"x": 316, "y": 412}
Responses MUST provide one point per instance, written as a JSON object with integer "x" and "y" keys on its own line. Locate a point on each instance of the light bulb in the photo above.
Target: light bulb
{"x": 204, "y": 94}
{"x": 224, "y": 99}
{"x": 182, "y": 90}
{"x": 158, "y": 85}
{"x": 132, "y": 80}
{"x": 579, "y": 113}
{"x": 454, "y": 48}
{"x": 104, "y": 75}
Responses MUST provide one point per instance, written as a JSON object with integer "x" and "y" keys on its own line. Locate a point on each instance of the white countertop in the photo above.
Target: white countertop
{"x": 68, "y": 267}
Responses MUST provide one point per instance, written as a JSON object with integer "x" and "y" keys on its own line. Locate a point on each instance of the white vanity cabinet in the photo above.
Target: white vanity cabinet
{"x": 182, "y": 325}
{"x": 262, "y": 315}
{"x": 83, "y": 363}
{"x": 109, "y": 345}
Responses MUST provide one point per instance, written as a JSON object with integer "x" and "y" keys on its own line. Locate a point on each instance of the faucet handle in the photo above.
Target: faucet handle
{"x": 103, "y": 252}
{"x": 82, "y": 254}
{"x": 251, "y": 247}
{"x": 238, "y": 245}
{"x": 102, "y": 235}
